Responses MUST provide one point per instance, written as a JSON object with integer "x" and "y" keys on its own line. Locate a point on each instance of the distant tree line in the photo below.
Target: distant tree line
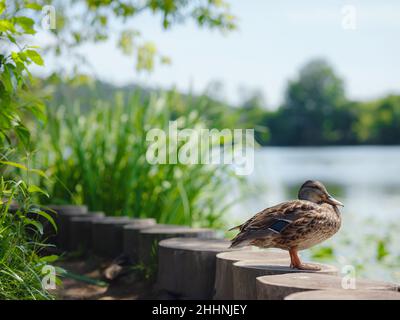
{"x": 315, "y": 110}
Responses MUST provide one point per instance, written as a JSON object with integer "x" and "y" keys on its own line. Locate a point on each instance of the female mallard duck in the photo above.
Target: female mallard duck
{"x": 294, "y": 225}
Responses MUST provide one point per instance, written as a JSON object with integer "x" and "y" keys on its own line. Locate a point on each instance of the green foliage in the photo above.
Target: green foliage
{"x": 92, "y": 21}
{"x": 16, "y": 98}
{"x": 317, "y": 112}
{"x": 322, "y": 253}
{"x": 313, "y": 109}
{"x": 214, "y": 112}
{"x": 20, "y": 229}
{"x": 379, "y": 121}
{"x": 148, "y": 270}
{"x": 99, "y": 158}
{"x": 82, "y": 278}
{"x": 21, "y": 265}
{"x": 338, "y": 123}
{"x": 381, "y": 250}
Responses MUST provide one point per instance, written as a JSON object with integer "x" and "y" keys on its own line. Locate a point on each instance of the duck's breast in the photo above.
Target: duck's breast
{"x": 322, "y": 227}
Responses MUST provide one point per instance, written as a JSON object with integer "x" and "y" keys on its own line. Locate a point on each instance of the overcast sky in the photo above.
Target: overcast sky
{"x": 273, "y": 41}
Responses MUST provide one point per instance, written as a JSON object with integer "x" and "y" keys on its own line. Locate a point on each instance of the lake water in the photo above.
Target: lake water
{"x": 365, "y": 179}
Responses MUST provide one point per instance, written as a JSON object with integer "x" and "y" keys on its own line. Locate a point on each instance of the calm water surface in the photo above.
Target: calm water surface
{"x": 365, "y": 179}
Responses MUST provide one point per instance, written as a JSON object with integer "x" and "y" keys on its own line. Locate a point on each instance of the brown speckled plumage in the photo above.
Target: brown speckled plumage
{"x": 293, "y": 225}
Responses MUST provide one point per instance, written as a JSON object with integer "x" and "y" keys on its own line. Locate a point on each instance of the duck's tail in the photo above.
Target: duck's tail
{"x": 240, "y": 240}
{"x": 236, "y": 240}
{"x": 248, "y": 237}
{"x": 234, "y": 228}
{"x": 239, "y": 243}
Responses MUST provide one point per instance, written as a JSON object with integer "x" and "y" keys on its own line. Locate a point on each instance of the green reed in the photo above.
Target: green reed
{"x": 21, "y": 265}
{"x": 98, "y": 157}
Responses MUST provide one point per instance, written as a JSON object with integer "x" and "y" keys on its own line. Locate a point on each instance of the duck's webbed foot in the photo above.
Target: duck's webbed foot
{"x": 295, "y": 262}
{"x": 306, "y": 266}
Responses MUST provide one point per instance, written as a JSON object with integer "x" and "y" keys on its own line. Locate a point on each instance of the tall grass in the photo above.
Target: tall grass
{"x": 20, "y": 264}
{"x": 99, "y": 158}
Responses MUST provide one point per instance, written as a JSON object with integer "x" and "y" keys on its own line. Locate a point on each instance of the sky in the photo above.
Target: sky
{"x": 273, "y": 41}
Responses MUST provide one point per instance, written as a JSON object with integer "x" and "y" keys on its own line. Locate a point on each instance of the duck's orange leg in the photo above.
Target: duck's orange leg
{"x": 295, "y": 262}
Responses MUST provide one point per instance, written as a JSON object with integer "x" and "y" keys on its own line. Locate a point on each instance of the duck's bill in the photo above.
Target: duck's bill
{"x": 333, "y": 201}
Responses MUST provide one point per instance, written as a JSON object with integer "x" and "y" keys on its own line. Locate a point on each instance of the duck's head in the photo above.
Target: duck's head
{"x": 316, "y": 192}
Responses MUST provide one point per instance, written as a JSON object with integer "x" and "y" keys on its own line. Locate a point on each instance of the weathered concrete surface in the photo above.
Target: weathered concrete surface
{"x": 277, "y": 287}
{"x": 80, "y": 231}
{"x": 131, "y": 237}
{"x": 341, "y": 294}
{"x": 186, "y": 266}
{"x": 245, "y": 274}
{"x": 62, "y": 215}
{"x": 225, "y": 261}
{"x": 107, "y": 236}
{"x": 150, "y": 237}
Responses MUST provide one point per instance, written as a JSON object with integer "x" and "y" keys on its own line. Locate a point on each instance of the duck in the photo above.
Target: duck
{"x": 294, "y": 225}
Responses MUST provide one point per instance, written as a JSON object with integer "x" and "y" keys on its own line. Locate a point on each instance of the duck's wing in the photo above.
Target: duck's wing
{"x": 274, "y": 220}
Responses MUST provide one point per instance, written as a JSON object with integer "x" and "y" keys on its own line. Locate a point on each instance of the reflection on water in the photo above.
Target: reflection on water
{"x": 365, "y": 179}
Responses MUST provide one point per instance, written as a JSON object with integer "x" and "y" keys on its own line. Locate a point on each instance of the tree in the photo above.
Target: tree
{"x": 379, "y": 121}
{"x": 312, "y": 108}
